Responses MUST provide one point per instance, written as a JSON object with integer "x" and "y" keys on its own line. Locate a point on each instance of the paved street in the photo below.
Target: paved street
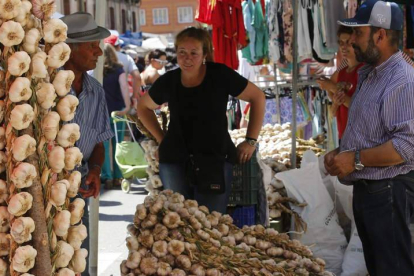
{"x": 116, "y": 211}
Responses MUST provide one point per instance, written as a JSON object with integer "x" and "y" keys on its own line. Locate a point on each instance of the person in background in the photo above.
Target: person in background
{"x": 141, "y": 64}
{"x": 172, "y": 59}
{"x": 347, "y": 79}
{"x": 118, "y": 101}
{"x": 83, "y": 38}
{"x": 376, "y": 154}
{"x": 157, "y": 61}
{"x": 130, "y": 68}
{"x": 197, "y": 94}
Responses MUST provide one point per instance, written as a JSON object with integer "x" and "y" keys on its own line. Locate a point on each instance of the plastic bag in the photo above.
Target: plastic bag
{"x": 354, "y": 261}
{"x": 324, "y": 233}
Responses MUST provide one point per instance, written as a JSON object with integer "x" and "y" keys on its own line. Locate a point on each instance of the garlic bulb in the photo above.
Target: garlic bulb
{"x": 176, "y": 247}
{"x": 4, "y": 245}
{"x": 159, "y": 249}
{"x": 76, "y": 235}
{"x": 183, "y": 262}
{"x": 22, "y": 229}
{"x": 74, "y": 181}
{"x": 64, "y": 255}
{"x": 39, "y": 68}
{"x": 149, "y": 265}
{"x": 43, "y": 9}
{"x": 2, "y": 138}
{"x": 132, "y": 243}
{"x": 3, "y": 161}
{"x": 24, "y": 258}
{"x": 11, "y": 32}
{"x": 73, "y": 157}
{"x": 46, "y": 95}
{"x": 31, "y": 41}
{"x": 63, "y": 82}
{"x": 18, "y": 63}
{"x": 54, "y": 31}
{"x": 2, "y": 109}
{"x": 21, "y": 116}
{"x": 68, "y": 135}
{"x": 78, "y": 262}
{"x": 50, "y": 126}
{"x": 178, "y": 272}
{"x": 65, "y": 272}
{"x": 20, "y": 203}
{"x": 61, "y": 223}
{"x": 58, "y": 55}
{"x": 164, "y": 269}
{"x": 58, "y": 192}
{"x": 4, "y": 219}
{"x": 56, "y": 159}
{"x": 76, "y": 210}
{"x": 198, "y": 270}
{"x": 23, "y": 175}
{"x": 171, "y": 220}
{"x": 3, "y": 191}
{"x": 53, "y": 242}
{"x": 24, "y": 12}
{"x": 134, "y": 258}
{"x": 20, "y": 90}
{"x": 23, "y": 147}
{"x": 66, "y": 107}
{"x": 3, "y": 268}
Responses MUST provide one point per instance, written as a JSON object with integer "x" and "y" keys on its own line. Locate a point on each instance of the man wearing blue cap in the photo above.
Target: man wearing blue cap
{"x": 376, "y": 154}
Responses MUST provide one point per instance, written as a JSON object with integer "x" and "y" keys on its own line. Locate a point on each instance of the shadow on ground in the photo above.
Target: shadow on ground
{"x": 106, "y": 217}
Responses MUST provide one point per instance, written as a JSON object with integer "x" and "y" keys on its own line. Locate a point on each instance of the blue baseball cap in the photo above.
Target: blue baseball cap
{"x": 376, "y": 13}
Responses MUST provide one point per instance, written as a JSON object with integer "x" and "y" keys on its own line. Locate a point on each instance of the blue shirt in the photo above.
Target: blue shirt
{"x": 92, "y": 117}
{"x": 113, "y": 94}
{"x": 382, "y": 109}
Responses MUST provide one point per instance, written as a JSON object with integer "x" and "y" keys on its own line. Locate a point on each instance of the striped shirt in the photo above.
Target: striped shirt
{"x": 92, "y": 118}
{"x": 382, "y": 109}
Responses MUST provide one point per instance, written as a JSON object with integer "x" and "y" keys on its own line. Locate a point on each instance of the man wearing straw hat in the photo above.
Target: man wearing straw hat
{"x": 84, "y": 36}
{"x": 376, "y": 154}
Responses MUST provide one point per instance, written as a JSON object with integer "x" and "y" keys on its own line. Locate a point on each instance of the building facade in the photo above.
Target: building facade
{"x": 122, "y": 15}
{"x": 167, "y": 16}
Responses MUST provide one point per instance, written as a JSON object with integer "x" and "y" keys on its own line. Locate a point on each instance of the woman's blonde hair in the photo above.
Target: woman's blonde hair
{"x": 111, "y": 61}
{"x": 200, "y": 35}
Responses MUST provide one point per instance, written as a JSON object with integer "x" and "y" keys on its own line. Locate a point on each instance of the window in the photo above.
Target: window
{"x": 112, "y": 18}
{"x": 160, "y": 16}
{"x": 142, "y": 19}
{"x": 185, "y": 14}
{"x": 134, "y": 22}
{"x": 123, "y": 21}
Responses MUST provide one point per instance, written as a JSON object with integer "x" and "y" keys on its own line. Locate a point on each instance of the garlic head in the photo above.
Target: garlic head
{"x": 20, "y": 203}
{"x": 56, "y": 158}
{"x": 61, "y": 223}
{"x": 21, "y": 116}
{"x": 58, "y": 192}
{"x": 18, "y": 63}
{"x": 4, "y": 219}
{"x": 63, "y": 82}
{"x": 66, "y": 107}
{"x": 39, "y": 68}
{"x": 20, "y": 90}
{"x": 58, "y": 55}
{"x": 11, "y": 32}
{"x": 74, "y": 181}
{"x": 23, "y": 175}
{"x": 73, "y": 157}
{"x": 64, "y": 255}
{"x": 22, "y": 229}
{"x": 23, "y": 146}
{"x": 31, "y": 40}
{"x": 24, "y": 258}
{"x": 54, "y": 31}
{"x": 4, "y": 245}
{"x": 50, "y": 126}
{"x": 65, "y": 272}
{"x": 78, "y": 262}
{"x": 46, "y": 95}
{"x": 68, "y": 135}
{"x": 43, "y": 9}
{"x": 76, "y": 210}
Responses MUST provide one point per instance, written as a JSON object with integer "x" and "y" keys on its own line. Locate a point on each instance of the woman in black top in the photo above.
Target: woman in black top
{"x": 197, "y": 139}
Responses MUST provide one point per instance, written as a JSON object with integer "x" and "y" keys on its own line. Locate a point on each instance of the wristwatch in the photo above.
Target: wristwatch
{"x": 358, "y": 165}
{"x": 252, "y": 142}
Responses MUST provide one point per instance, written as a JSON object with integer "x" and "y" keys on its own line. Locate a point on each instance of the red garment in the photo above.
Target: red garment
{"x": 228, "y": 32}
{"x": 342, "y": 113}
{"x": 204, "y": 11}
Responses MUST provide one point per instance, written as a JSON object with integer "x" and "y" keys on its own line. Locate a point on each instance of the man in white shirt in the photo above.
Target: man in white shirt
{"x": 130, "y": 67}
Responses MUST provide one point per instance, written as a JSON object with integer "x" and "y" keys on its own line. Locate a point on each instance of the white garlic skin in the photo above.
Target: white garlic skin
{"x": 65, "y": 254}
{"x": 58, "y": 55}
{"x": 61, "y": 223}
{"x": 24, "y": 258}
{"x": 56, "y": 158}
{"x": 11, "y": 29}
{"x": 22, "y": 229}
{"x": 23, "y": 146}
{"x": 39, "y": 67}
{"x": 66, "y": 107}
{"x": 20, "y": 203}
{"x": 46, "y": 95}
{"x": 50, "y": 125}
{"x": 20, "y": 90}
{"x": 65, "y": 272}
{"x": 23, "y": 175}
{"x": 21, "y": 116}
{"x": 78, "y": 262}
{"x": 76, "y": 235}
{"x": 58, "y": 192}
{"x": 54, "y": 31}
{"x": 68, "y": 135}
{"x": 74, "y": 181}
{"x": 31, "y": 41}
{"x": 18, "y": 63}
{"x": 63, "y": 82}
{"x": 73, "y": 158}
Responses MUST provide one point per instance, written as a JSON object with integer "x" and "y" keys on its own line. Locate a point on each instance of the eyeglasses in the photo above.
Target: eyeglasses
{"x": 161, "y": 61}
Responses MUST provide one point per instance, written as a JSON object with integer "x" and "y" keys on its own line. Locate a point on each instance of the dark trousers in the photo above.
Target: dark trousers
{"x": 383, "y": 211}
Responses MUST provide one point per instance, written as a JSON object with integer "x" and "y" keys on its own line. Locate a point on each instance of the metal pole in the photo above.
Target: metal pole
{"x": 295, "y": 80}
{"x": 100, "y": 15}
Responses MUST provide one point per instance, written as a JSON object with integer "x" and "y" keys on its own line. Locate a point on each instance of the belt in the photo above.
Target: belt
{"x": 406, "y": 177}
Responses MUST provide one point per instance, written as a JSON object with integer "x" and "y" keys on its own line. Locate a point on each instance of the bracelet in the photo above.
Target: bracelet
{"x": 94, "y": 166}
{"x": 248, "y": 138}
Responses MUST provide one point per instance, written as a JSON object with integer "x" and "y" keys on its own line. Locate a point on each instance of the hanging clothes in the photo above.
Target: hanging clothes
{"x": 288, "y": 30}
{"x": 204, "y": 11}
{"x": 249, "y": 51}
{"x": 273, "y": 26}
{"x": 262, "y": 33}
{"x": 334, "y": 11}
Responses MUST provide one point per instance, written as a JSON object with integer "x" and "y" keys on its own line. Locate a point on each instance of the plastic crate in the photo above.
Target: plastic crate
{"x": 244, "y": 215}
{"x": 245, "y": 183}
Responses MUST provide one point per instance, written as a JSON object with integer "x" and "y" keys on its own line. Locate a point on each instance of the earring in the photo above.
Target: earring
{"x": 204, "y": 61}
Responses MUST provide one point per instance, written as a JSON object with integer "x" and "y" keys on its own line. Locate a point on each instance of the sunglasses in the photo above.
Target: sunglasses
{"x": 161, "y": 61}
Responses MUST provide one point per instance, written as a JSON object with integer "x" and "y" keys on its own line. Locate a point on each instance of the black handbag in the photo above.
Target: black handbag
{"x": 206, "y": 173}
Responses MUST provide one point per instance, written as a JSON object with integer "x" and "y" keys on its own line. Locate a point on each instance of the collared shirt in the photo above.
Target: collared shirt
{"x": 382, "y": 109}
{"x": 92, "y": 117}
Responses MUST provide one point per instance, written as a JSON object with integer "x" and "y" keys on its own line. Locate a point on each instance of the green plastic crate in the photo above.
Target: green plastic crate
{"x": 245, "y": 184}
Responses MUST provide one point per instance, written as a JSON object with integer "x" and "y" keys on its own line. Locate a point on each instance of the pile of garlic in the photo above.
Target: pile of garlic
{"x": 38, "y": 140}
{"x": 275, "y": 141}
{"x": 154, "y": 184}
{"x": 174, "y": 236}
